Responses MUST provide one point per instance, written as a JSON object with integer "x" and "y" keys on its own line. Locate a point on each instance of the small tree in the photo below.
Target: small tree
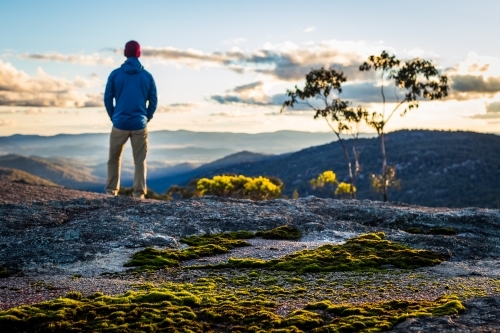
{"x": 381, "y": 183}
{"x": 184, "y": 192}
{"x": 416, "y": 78}
{"x": 344, "y": 189}
{"x": 329, "y": 178}
{"x": 324, "y": 85}
{"x": 256, "y": 188}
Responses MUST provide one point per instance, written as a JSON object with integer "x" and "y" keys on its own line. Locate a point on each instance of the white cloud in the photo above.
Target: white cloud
{"x": 176, "y": 107}
{"x": 309, "y": 29}
{"x": 7, "y": 122}
{"x": 285, "y": 61}
{"x": 492, "y": 111}
{"x": 81, "y": 59}
{"x": 20, "y": 89}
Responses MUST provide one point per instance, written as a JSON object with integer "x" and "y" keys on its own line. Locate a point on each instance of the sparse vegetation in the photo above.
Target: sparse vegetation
{"x": 325, "y": 86}
{"x": 210, "y": 304}
{"x": 204, "y": 246}
{"x": 415, "y": 79}
{"x": 444, "y": 231}
{"x": 4, "y": 273}
{"x": 365, "y": 252}
{"x": 128, "y": 191}
{"x": 283, "y": 232}
{"x": 255, "y": 188}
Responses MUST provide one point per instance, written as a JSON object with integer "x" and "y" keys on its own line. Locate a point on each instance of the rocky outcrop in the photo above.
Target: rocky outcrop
{"x": 64, "y": 232}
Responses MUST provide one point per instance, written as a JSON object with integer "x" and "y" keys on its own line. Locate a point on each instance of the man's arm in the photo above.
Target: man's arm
{"x": 109, "y": 94}
{"x": 152, "y": 99}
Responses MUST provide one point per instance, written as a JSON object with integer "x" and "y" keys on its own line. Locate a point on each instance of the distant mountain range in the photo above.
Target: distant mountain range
{"x": 436, "y": 168}
{"x": 165, "y": 147}
{"x": 170, "y": 152}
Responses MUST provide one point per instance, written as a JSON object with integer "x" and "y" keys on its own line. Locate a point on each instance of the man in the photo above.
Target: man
{"x": 134, "y": 92}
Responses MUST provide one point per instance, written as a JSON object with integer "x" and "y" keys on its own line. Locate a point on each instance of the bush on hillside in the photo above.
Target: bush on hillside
{"x": 254, "y": 188}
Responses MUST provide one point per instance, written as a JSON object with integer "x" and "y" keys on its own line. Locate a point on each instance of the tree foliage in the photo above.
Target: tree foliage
{"x": 344, "y": 189}
{"x": 327, "y": 177}
{"x": 413, "y": 80}
{"x": 255, "y": 188}
{"x": 381, "y": 182}
{"x": 184, "y": 192}
{"x": 325, "y": 85}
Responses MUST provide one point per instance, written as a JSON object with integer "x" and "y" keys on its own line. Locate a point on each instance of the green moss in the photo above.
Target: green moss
{"x": 151, "y": 258}
{"x": 204, "y": 246}
{"x": 284, "y": 232}
{"x": 4, "y": 273}
{"x": 433, "y": 231}
{"x": 207, "y": 306}
{"x": 414, "y": 230}
{"x": 217, "y": 238}
{"x": 442, "y": 231}
{"x": 377, "y": 317}
{"x": 365, "y": 252}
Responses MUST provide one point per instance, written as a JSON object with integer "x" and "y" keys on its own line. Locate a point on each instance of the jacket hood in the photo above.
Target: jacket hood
{"x": 132, "y": 66}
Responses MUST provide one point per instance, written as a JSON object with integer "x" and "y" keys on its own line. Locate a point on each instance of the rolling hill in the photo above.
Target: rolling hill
{"x": 436, "y": 168}
{"x": 163, "y": 182}
{"x": 58, "y": 170}
{"x": 18, "y": 176}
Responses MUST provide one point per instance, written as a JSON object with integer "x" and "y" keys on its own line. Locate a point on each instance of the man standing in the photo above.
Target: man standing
{"x": 134, "y": 92}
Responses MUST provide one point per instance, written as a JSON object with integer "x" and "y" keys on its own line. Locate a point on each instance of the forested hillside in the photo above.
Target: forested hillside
{"x": 436, "y": 168}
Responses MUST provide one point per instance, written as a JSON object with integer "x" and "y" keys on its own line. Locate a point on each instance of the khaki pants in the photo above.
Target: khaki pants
{"x": 117, "y": 140}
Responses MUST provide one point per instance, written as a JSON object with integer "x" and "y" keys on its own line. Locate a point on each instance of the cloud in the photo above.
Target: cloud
{"x": 475, "y": 77}
{"x": 34, "y": 111}
{"x": 285, "y": 61}
{"x": 20, "y": 89}
{"x": 81, "y": 59}
{"x": 310, "y": 29}
{"x": 176, "y": 108}
{"x": 492, "y": 112}
{"x": 253, "y": 94}
{"x": 493, "y": 108}
{"x": 464, "y": 87}
{"x": 7, "y": 122}
{"x": 232, "y": 114}
{"x": 475, "y": 84}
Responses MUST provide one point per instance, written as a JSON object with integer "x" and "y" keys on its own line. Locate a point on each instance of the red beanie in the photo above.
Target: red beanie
{"x": 132, "y": 49}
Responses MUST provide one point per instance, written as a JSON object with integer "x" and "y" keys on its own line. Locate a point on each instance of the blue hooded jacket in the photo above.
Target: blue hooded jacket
{"x": 131, "y": 86}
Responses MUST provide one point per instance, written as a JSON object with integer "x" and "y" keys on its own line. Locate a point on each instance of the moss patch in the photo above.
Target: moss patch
{"x": 442, "y": 231}
{"x": 284, "y": 232}
{"x": 204, "y": 246}
{"x": 365, "y": 252}
{"x": 4, "y": 273}
{"x": 377, "y": 317}
{"x": 150, "y": 258}
{"x": 217, "y": 238}
{"x": 207, "y": 305}
{"x": 433, "y": 231}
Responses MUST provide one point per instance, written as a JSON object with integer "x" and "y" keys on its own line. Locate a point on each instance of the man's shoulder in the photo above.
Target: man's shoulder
{"x": 145, "y": 72}
{"x": 114, "y": 72}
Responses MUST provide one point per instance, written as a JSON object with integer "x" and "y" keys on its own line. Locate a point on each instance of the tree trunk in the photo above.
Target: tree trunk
{"x": 349, "y": 165}
{"x": 384, "y": 166}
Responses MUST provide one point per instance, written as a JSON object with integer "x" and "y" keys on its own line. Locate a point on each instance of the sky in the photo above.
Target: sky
{"x": 225, "y": 66}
